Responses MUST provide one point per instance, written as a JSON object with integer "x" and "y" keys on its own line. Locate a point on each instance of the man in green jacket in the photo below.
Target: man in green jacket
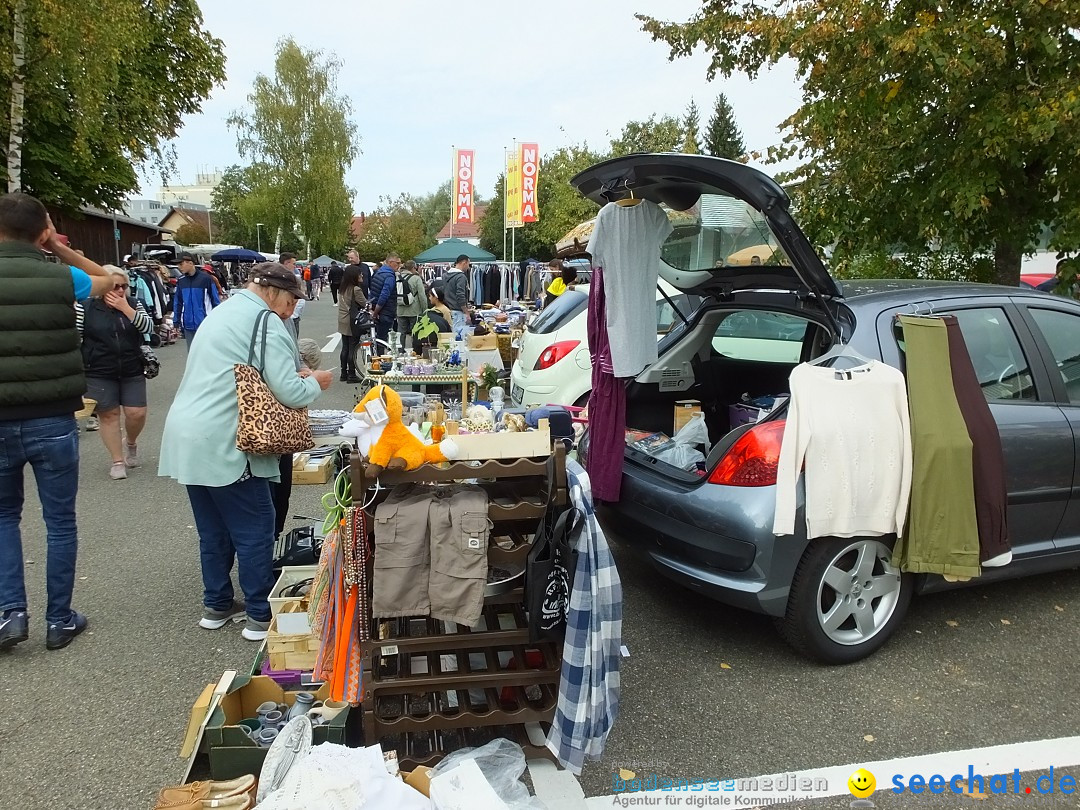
{"x": 41, "y": 387}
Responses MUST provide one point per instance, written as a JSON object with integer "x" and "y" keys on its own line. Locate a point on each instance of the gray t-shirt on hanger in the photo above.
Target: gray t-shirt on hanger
{"x": 626, "y": 243}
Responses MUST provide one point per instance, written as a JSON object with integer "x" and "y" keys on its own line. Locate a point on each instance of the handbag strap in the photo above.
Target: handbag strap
{"x": 262, "y": 319}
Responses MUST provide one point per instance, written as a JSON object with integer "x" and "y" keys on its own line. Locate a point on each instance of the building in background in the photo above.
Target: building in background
{"x": 201, "y": 193}
{"x": 178, "y": 216}
{"x": 469, "y": 231}
{"x": 148, "y": 211}
{"x": 104, "y": 237}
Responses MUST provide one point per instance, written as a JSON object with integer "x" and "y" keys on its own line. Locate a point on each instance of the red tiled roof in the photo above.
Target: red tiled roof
{"x": 465, "y": 230}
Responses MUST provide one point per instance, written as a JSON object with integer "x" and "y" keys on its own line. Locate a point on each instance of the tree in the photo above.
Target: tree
{"x": 921, "y": 124}
{"x": 192, "y": 234}
{"x": 85, "y": 104}
{"x": 434, "y": 209}
{"x": 651, "y": 135}
{"x": 561, "y": 206}
{"x": 722, "y": 137}
{"x": 301, "y": 140}
{"x": 691, "y": 144}
{"x": 396, "y": 226}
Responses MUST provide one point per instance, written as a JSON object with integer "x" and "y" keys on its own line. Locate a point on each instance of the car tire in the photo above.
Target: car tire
{"x": 833, "y": 615}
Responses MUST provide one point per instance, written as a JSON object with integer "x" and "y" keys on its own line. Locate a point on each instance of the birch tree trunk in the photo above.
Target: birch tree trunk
{"x": 18, "y": 99}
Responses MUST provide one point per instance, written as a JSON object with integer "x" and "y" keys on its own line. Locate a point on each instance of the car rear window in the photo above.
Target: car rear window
{"x": 560, "y": 312}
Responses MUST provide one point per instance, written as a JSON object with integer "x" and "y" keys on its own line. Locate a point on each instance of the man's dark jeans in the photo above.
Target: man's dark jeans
{"x": 236, "y": 522}
{"x": 382, "y": 330}
{"x": 50, "y": 446}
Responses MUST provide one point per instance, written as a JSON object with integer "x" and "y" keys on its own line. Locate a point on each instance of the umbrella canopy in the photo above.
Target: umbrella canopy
{"x": 451, "y": 249}
{"x": 238, "y": 255}
{"x": 758, "y": 254}
{"x": 323, "y": 261}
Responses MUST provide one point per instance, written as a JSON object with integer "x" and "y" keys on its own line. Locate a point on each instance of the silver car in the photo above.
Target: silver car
{"x": 835, "y": 600}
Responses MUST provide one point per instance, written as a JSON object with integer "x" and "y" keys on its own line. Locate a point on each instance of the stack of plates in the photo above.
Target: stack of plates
{"x": 326, "y": 422}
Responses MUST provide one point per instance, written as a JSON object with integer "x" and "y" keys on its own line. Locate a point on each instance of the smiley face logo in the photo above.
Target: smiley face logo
{"x": 862, "y": 783}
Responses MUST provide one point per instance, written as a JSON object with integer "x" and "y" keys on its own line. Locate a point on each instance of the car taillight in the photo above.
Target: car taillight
{"x": 752, "y": 460}
{"x": 554, "y": 353}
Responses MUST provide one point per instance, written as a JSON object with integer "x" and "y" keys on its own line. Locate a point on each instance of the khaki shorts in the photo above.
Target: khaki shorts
{"x": 431, "y": 553}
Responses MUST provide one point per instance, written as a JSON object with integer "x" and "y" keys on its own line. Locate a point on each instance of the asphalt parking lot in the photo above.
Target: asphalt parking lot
{"x": 708, "y": 691}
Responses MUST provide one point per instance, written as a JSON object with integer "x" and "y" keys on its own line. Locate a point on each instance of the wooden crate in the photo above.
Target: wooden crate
{"x": 296, "y": 651}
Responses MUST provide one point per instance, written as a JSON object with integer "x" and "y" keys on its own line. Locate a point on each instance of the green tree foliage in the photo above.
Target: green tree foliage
{"x": 192, "y": 234}
{"x": 396, "y": 226}
{"x": 434, "y": 210}
{"x": 723, "y": 137}
{"x": 106, "y": 84}
{"x": 921, "y": 124}
{"x": 561, "y": 207}
{"x": 301, "y": 140}
{"x": 664, "y": 134}
{"x": 691, "y": 123}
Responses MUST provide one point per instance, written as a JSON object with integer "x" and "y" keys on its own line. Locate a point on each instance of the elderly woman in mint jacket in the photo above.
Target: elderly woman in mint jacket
{"x": 230, "y": 490}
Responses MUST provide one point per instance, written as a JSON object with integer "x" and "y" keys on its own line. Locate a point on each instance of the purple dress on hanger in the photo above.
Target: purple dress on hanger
{"x": 607, "y": 403}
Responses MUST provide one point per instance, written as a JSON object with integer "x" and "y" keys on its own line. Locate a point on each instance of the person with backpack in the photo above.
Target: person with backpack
{"x": 411, "y": 301}
{"x": 383, "y": 296}
{"x": 307, "y": 281}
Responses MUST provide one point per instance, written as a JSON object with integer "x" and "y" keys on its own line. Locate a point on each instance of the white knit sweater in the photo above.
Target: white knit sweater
{"x": 851, "y": 428}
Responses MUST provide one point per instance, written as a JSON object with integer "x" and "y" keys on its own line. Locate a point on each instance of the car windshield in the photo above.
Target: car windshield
{"x": 560, "y": 312}
{"x": 721, "y": 231}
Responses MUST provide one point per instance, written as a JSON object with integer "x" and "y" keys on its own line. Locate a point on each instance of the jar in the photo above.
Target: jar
{"x": 301, "y": 706}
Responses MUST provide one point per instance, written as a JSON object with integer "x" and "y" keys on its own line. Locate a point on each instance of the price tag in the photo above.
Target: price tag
{"x": 391, "y": 649}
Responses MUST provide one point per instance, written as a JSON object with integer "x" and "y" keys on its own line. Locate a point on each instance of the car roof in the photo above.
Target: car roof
{"x": 884, "y": 291}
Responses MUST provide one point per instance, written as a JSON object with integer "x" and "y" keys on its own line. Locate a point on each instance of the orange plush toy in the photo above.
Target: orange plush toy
{"x": 398, "y": 448}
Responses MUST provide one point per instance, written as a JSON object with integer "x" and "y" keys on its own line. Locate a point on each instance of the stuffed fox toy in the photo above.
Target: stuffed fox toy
{"x": 398, "y": 448}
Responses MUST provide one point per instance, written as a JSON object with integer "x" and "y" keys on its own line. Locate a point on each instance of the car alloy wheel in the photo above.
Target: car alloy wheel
{"x": 858, "y": 593}
{"x": 846, "y": 599}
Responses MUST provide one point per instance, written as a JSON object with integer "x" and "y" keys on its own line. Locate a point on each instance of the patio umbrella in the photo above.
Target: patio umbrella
{"x": 323, "y": 261}
{"x": 451, "y": 249}
{"x": 238, "y": 255}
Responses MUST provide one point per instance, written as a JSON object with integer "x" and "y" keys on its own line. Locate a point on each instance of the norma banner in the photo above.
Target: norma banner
{"x": 512, "y": 213}
{"x": 463, "y": 186}
{"x": 529, "y": 161}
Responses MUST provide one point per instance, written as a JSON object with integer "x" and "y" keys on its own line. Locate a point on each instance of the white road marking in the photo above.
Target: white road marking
{"x": 332, "y": 344}
{"x": 559, "y": 788}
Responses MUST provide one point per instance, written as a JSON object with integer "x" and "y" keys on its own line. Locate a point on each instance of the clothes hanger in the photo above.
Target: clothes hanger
{"x": 841, "y": 351}
{"x": 628, "y": 202}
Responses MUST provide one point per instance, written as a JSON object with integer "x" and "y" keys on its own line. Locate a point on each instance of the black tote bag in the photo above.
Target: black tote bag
{"x": 549, "y": 574}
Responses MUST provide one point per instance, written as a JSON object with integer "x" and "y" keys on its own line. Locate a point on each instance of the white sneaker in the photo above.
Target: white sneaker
{"x": 255, "y": 631}
{"x": 118, "y": 471}
{"x": 131, "y": 455}
{"x": 93, "y": 423}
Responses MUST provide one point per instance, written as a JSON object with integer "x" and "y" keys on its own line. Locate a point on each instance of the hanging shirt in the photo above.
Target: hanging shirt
{"x": 851, "y": 429}
{"x": 626, "y": 243}
{"x": 590, "y": 681}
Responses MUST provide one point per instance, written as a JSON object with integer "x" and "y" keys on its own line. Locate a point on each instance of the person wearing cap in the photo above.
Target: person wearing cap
{"x": 196, "y": 295}
{"x": 229, "y": 490}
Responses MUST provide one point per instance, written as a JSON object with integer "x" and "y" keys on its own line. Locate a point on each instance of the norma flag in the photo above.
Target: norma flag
{"x": 530, "y": 170}
{"x": 463, "y": 186}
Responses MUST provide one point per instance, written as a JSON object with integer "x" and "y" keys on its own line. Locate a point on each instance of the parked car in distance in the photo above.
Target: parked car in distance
{"x": 713, "y": 532}
{"x": 554, "y": 366}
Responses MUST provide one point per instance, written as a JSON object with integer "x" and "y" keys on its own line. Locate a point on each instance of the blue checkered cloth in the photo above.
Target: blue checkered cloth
{"x": 589, "y": 687}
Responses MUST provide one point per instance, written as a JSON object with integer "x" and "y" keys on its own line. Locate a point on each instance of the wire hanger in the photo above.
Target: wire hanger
{"x": 841, "y": 350}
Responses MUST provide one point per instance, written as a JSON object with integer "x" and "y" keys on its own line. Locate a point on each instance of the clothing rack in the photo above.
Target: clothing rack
{"x": 426, "y": 691}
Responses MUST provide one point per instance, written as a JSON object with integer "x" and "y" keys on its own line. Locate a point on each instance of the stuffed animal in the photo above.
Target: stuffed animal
{"x": 397, "y": 447}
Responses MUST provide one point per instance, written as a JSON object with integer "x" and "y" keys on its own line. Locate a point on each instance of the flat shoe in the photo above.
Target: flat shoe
{"x": 242, "y": 786}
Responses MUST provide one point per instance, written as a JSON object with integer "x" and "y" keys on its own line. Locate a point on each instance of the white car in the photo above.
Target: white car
{"x": 554, "y": 367}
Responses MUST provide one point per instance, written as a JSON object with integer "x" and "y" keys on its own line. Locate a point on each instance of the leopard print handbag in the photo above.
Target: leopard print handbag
{"x": 265, "y": 427}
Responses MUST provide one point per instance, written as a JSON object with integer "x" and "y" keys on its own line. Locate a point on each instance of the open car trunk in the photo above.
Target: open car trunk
{"x": 735, "y": 363}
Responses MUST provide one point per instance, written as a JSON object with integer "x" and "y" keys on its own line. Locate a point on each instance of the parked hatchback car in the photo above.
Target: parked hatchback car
{"x": 713, "y": 532}
{"x": 554, "y": 366}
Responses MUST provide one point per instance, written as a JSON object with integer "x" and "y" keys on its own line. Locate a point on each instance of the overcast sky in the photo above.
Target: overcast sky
{"x": 424, "y": 75}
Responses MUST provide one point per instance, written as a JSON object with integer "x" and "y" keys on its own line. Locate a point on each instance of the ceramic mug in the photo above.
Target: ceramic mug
{"x": 265, "y": 736}
{"x": 263, "y": 708}
{"x": 272, "y": 719}
{"x": 329, "y": 710}
{"x": 249, "y": 725}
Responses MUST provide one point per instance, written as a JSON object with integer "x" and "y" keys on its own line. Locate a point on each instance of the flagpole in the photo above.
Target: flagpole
{"x": 504, "y": 204}
{"x": 453, "y": 188}
{"x": 513, "y": 230}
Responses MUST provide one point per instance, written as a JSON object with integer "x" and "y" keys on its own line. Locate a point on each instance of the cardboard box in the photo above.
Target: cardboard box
{"x": 232, "y": 753}
{"x": 484, "y": 342}
{"x": 316, "y": 471}
{"x": 290, "y": 575}
{"x": 481, "y": 446}
{"x": 300, "y": 460}
{"x": 420, "y": 778}
{"x": 292, "y": 647}
{"x": 684, "y": 410}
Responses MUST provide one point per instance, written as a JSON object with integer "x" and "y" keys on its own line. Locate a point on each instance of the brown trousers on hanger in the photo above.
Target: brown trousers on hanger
{"x": 991, "y": 491}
